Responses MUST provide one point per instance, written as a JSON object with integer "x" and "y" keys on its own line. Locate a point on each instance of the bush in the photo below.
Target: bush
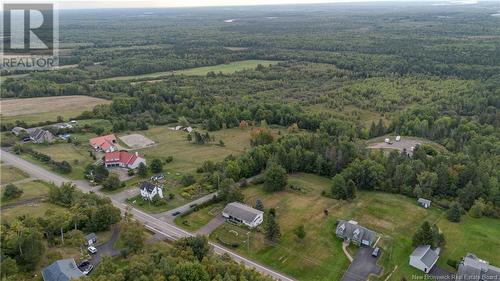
{"x": 187, "y": 180}
{"x": 11, "y": 192}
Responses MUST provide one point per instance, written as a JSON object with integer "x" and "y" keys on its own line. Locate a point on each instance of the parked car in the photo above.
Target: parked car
{"x": 92, "y": 249}
{"x": 193, "y": 205}
{"x": 85, "y": 267}
{"x": 376, "y": 252}
{"x": 176, "y": 213}
{"x": 157, "y": 177}
{"x": 398, "y": 138}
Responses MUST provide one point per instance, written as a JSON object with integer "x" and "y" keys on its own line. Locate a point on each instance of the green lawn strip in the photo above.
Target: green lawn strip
{"x": 32, "y": 189}
{"x": 196, "y": 220}
{"x": 199, "y": 71}
{"x": 11, "y": 174}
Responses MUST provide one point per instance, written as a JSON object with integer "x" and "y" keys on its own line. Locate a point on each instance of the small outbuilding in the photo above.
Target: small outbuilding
{"x": 90, "y": 239}
{"x": 18, "y": 130}
{"x": 61, "y": 270}
{"x": 424, "y": 202}
{"x": 244, "y": 214}
{"x": 424, "y": 258}
{"x": 149, "y": 190}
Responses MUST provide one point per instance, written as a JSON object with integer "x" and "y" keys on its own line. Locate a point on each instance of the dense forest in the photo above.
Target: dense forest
{"x": 346, "y": 73}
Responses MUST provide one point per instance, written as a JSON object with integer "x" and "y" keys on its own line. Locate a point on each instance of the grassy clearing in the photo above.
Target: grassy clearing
{"x": 11, "y": 174}
{"x": 34, "y": 210}
{"x": 33, "y": 110}
{"x": 478, "y": 236}
{"x": 198, "y": 219}
{"x": 187, "y": 157}
{"x": 77, "y": 156}
{"x": 200, "y": 71}
{"x": 32, "y": 189}
{"x": 320, "y": 257}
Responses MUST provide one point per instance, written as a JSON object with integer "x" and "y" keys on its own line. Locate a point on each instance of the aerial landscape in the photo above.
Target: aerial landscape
{"x": 355, "y": 141}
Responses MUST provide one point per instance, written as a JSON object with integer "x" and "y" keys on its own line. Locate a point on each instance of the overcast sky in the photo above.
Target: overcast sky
{"x": 76, "y": 4}
{"x": 96, "y": 4}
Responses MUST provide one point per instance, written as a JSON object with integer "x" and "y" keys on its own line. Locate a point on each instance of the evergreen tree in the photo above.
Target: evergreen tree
{"x": 454, "y": 213}
{"x": 300, "y": 232}
{"x": 424, "y": 236}
{"x": 156, "y": 166}
{"x": 142, "y": 170}
{"x": 272, "y": 228}
{"x": 259, "y": 205}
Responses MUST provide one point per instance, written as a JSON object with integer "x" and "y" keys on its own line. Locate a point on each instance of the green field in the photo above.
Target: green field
{"x": 196, "y": 220}
{"x": 31, "y": 190}
{"x": 200, "y": 71}
{"x": 187, "y": 157}
{"x": 35, "y": 210}
{"x": 11, "y": 174}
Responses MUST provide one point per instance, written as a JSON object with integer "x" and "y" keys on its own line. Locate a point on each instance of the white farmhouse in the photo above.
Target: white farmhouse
{"x": 244, "y": 214}
{"x": 424, "y": 258}
{"x": 149, "y": 191}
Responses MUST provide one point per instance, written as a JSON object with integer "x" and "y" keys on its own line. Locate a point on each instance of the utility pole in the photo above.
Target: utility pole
{"x": 248, "y": 242}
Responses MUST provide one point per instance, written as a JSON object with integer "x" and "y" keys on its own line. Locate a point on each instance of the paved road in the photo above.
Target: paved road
{"x": 170, "y": 231}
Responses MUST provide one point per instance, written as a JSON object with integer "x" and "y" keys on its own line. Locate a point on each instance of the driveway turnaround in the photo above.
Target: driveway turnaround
{"x": 362, "y": 266}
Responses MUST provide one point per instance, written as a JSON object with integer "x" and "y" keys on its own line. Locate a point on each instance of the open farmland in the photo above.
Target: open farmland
{"x": 200, "y": 71}
{"x": 33, "y": 110}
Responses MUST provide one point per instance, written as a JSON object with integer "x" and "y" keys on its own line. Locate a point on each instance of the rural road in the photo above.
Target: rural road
{"x": 154, "y": 224}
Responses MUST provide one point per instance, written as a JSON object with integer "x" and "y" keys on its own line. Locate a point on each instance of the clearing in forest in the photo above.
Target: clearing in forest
{"x": 201, "y": 71}
{"x": 33, "y": 110}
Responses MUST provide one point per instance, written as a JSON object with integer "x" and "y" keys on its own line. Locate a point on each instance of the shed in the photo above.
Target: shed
{"x": 424, "y": 202}
{"x": 90, "y": 238}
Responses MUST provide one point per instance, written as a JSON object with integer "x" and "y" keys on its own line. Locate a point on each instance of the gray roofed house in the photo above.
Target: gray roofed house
{"x": 243, "y": 214}
{"x": 424, "y": 202}
{"x": 474, "y": 268}
{"x": 90, "y": 238}
{"x": 424, "y": 258}
{"x": 352, "y": 231}
{"x": 38, "y": 135}
{"x": 61, "y": 270}
{"x": 17, "y": 130}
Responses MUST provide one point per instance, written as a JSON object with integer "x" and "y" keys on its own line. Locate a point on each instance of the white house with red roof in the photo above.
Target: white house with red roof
{"x": 105, "y": 143}
{"x": 123, "y": 159}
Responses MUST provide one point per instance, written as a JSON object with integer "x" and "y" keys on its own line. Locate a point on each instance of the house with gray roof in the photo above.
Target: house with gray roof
{"x": 352, "y": 231}
{"x": 424, "y": 258}
{"x": 38, "y": 135}
{"x": 424, "y": 202}
{"x": 244, "y": 214}
{"x": 61, "y": 270}
{"x": 473, "y": 268}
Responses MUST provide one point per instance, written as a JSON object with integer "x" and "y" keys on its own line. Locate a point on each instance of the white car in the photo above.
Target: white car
{"x": 92, "y": 249}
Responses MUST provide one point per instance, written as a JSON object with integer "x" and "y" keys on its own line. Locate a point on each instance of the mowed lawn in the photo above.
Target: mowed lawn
{"x": 35, "y": 210}
{"x": 31, "y": 190}
{"x": 187, "y": 156}
{"x": 77, "y": 156}
{"x": 471, "y": 235}
{"x": 11, "y": 174}
{"x": 201, "y": 71}
{"x": 196, "y": 220}
{"x": 319, "y": 257}
{"x": 33, "y": 110}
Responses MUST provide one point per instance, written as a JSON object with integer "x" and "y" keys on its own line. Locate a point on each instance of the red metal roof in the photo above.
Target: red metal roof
{"x": 123, "y": 157}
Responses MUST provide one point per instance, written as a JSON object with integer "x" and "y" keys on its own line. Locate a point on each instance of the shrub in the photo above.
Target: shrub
{"x": 11, "y": 192}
